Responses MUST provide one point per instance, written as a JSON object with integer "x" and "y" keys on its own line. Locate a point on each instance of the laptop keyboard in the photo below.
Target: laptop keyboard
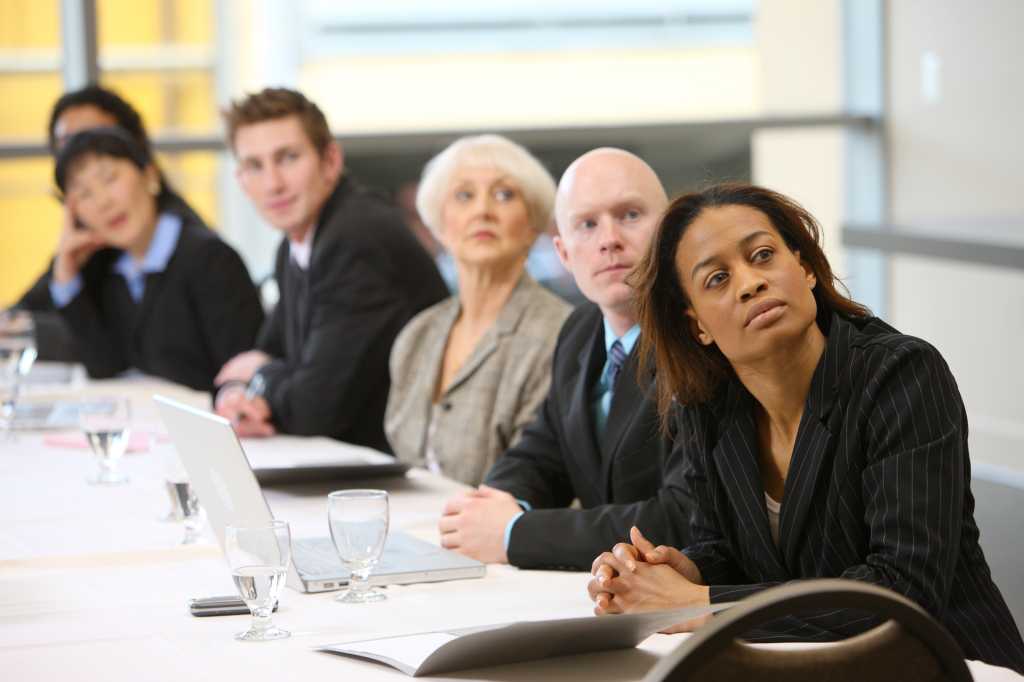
{"x": 317, "y": 556}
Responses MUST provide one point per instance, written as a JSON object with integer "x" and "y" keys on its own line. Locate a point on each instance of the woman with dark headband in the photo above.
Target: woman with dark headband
{"x": 140, "y": 282}
{"x": 93, "y": 106}
{"x": 819, "y": 441}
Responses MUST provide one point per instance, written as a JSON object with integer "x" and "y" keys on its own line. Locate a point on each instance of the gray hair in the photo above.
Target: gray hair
{"x": 491, "y": 151}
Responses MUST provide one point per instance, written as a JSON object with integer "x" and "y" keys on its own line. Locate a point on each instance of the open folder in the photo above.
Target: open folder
{"x": 431, "y": 653}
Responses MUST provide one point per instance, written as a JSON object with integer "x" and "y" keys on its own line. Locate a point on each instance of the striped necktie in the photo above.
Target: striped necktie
{"x": 616, "y": 357}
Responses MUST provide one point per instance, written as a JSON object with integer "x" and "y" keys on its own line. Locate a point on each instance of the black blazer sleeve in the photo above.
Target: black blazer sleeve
{"x": 570, "y": 539}
{"x": 54, "y": 341}
{"x": 37, "y": 297}
{"x": 356, "y": 314}
{"x": 534, "y": 470}
{"x": 99, "y": 345}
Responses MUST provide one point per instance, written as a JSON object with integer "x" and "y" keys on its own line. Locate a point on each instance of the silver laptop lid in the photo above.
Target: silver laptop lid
{"x": 216, "y": 466}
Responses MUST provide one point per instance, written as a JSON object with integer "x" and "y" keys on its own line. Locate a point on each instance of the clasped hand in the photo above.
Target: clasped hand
{"x": 641, "y": 577}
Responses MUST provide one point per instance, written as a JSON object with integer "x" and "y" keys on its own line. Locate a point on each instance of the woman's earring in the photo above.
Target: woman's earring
{"x": 154, "y": 188}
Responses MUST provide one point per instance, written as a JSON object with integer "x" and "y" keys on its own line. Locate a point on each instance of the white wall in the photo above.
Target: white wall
{"x": 956, "y": 144}
{"x": 800, "y": 45}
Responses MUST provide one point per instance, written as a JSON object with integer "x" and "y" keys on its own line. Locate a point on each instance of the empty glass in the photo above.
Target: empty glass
{"x": 359, "y": 527}
{"x": 258, "y": 556}
{"x": 108, "y": 428}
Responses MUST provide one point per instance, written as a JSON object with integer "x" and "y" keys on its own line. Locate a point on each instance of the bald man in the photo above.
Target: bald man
{"x": 595, "y": 438}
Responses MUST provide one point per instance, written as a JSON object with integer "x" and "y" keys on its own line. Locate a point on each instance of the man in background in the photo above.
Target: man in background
{"x": 350, "y": 276}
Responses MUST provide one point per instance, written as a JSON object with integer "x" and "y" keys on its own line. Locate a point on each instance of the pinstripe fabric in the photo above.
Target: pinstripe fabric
{"x": 878, "y": 490}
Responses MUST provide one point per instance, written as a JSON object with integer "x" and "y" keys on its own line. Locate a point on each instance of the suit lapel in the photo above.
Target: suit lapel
{"x": 735, "y": 456}
{"x": 508, "y": 320}
{"x": 579, "y": 419}
{"x": 813, "y": 449}
{"x": 811, "y": 454}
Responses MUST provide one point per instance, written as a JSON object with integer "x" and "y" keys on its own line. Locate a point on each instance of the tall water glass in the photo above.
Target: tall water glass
{"x": 184, "y": 503}
{"x": 359, "y": 527}
{"x": 258, "y": 556}
{"x": 17, "y": 354}
{"x": 108, "y": 428}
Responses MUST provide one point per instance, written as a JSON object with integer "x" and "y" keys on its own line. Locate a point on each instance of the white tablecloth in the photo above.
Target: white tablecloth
{"x": 94, "y": 586}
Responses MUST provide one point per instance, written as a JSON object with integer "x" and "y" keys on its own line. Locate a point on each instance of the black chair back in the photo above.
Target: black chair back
{"x": 909, "y": 646}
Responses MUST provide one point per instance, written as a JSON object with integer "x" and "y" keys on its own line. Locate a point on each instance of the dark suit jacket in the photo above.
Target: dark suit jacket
{"x": 54, "y": 340}
{"x": 878, "y": 490}
{"x": 617, "y": 481}
{"x": 332, "y": 330}
{"x": 194, "y": 316}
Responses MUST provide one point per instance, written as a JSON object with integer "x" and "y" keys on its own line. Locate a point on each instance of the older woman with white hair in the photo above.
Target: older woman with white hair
{"x": 468, "y": 374}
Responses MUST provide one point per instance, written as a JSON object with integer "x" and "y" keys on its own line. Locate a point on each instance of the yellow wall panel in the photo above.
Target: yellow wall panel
{"x": 194, "y": 20}
{"x": 197, "y": 110}
{"x": 27, "y": 99}
{"x": 143, "y": 91}
{"x": 128, "y": 22}
{"x": 30, "y": 225}
{"x": 194, "y": 176}
{"x": 29, "y": 23}
{"x": 182, "y": 101}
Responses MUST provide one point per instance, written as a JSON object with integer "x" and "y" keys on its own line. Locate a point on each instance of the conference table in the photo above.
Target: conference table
{"x": 94, "y": 584}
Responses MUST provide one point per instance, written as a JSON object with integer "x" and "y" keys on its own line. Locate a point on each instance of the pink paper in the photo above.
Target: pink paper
{"x": 138, "y": 441}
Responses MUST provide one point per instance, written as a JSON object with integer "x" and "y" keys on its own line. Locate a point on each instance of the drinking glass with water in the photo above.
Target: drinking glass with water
{"x": 108, "y": 428}
{"x": 17, "y": 355}
{"x": 258, "y": 556}
{"x": 184, "y": 503}
{"x": 359, "y": 527}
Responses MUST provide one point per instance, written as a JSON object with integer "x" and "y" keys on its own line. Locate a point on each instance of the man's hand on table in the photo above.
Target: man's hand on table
{"x": 474, "y": 523}
{"x": 250, "y": 416}
{"x": 241, "y": 367}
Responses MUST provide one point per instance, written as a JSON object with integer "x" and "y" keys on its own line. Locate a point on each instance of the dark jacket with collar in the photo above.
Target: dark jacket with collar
{"x": 332, "y": 330}
{"x": 193, "y": 317}
{"x": 54, "y": 340}
{"x": 878, "y": 490}
{"x": 618, "y": 478}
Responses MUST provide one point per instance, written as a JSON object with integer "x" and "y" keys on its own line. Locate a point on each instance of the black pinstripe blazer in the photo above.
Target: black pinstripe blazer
{"x": 878, "y": 490}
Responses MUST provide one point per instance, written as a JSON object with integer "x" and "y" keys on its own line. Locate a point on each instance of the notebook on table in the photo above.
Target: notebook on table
{"x": 296, "y": 459}
{"x": 228, "y": 490}
{"x": 432, "y": 653}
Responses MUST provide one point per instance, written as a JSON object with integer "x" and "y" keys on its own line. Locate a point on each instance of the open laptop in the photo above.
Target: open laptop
{"x": 229, "y": 492}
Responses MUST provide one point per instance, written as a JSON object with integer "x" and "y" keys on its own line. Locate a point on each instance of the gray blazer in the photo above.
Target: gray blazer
{"x": 492, "y": 397}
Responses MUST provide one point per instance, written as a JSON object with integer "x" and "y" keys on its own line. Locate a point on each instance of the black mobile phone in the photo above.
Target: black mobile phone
{"x": 218, "y": 606}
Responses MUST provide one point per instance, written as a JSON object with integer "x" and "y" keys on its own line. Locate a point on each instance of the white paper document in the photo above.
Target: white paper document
{"x": 286, "y": 452}
{"x": 431, "y": 653}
